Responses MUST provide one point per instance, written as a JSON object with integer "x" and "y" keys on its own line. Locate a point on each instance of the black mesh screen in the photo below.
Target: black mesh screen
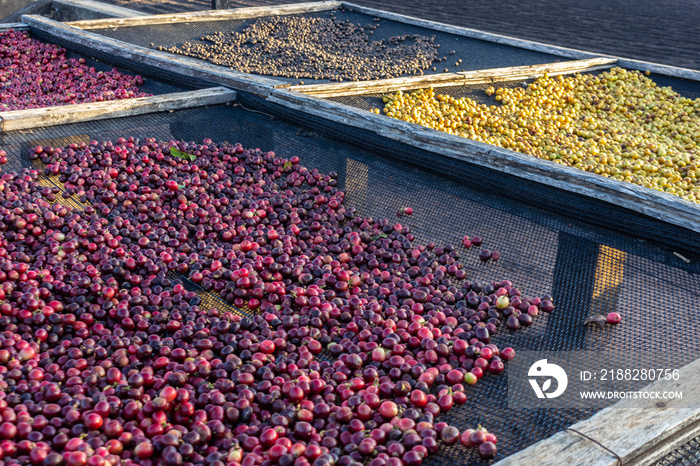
{"x": 685, "y": 455}
{"x": 588, "y": 269}
{"x": 475, "y": 54}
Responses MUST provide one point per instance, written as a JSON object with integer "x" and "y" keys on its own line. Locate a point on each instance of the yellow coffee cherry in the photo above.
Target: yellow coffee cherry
{"x": 618, "y": 124}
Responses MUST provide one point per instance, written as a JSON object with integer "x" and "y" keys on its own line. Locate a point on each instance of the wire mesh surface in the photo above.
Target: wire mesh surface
{"x": 685, "y": 455}
{"x": 475, "y": 54}
{"x": 587, "y": 269}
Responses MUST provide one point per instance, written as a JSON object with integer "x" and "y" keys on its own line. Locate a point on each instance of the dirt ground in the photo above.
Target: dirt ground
{"x": 657, "y": 31}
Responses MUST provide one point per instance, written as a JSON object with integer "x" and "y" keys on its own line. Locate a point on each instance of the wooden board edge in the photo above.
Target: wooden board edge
{"x": 16, "y": 26}
{"x": 639, "y": 431}
{"x": 566, "y": 52}
{"x": 520, "y": 72}
{"x": 52, "y": 116}
{"x": 209, "y": 15}
{"x": 566, "y": 441}
{"x": 510, "y": 73}
{"x": 105, "y": 9}
{"x": 665, "y": 446}
{"x": 657, "y": 68}
{"x": 369, "y": 87}
{"x": 184, "y": 66}
{"x": 663, "y": 206}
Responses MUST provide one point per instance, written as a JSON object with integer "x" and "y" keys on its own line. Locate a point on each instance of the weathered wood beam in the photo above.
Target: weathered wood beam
{"x": 463, "y": 78}
{"x": 208, "y": 15}
{"x": 71, "y": 10}
{"x": 51, "y": 116}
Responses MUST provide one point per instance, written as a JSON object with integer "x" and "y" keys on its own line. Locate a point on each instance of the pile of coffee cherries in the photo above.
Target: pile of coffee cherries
{"x": 35, "y": 74}
{"x": 619, "y": 124}
{"x": 353, "y": 341}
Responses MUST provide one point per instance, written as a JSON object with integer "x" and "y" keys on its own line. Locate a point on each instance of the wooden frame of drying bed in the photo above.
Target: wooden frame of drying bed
{"x": 72, "y": 10}
{"x": 16, "y": 26}
{"x": 208, "y": 15}
{"x": 51, "y": 116}
{"x": 652, "y": 430}
{"x": 464, "y": 78}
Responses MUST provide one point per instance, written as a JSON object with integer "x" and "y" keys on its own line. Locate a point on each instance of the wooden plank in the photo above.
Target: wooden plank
{"x": 463, "y": 78}
{"x": 335, "y": 89}
{"x": 663, "y": 206}
{"x": 209, "y": 15}
{"x": 16, "y": 26}
{"x": 180, "y": 65}
{"x": 665, "y": 70}
{"x": 86, "y": 9}
{"x": 51, "y": 116}
{"x": 525, "y": 44}
{"x": 639, "y": 431}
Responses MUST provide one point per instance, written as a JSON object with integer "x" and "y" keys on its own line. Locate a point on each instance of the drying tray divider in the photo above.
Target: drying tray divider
{"x": 463, "y": 78}
{"x": 208, "y": 15}
{"x": 51, "y": 116}
{"x": 90, "y": 8}
{"x": 16, "y": 26}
